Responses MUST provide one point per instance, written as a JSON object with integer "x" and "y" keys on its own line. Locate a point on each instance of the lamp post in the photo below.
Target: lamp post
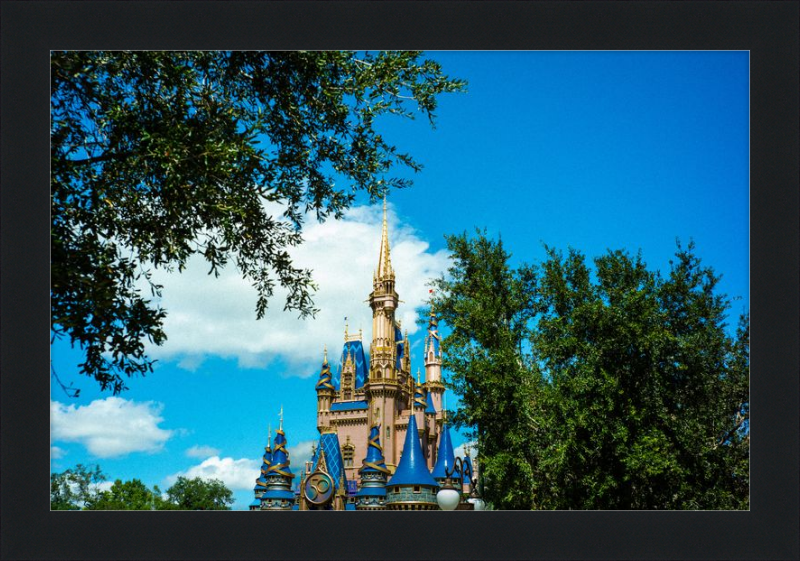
{"x": 449, "y": 496}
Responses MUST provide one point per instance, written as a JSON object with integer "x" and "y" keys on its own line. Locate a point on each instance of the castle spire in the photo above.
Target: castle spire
{"x": 384, "y": 260}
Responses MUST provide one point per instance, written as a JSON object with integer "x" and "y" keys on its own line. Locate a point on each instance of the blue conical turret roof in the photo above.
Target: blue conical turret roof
{"x": 412, "y": 469}
{"x": 430, "y": 408}
{"x": 325, "y": 382}
{"x": 374, "y": 460}
{"x": 445, "y": 458}
{"x": 280, "y": 457}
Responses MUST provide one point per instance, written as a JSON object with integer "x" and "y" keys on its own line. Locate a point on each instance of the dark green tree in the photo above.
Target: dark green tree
{"x": 75, "y": 488}
{"x": 197, "y": 494}
{"x": 487, "y": 307}
{"x": 128, "y": 495}
{"x": 158, "y": 156}
{"x": 635, "y": 394}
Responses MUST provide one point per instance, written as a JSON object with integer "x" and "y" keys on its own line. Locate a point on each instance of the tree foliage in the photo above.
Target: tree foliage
{"x": 198, "y": 494}
{"x": 158, "y": 156}
{"x": 75, "y": 488}
{"x": 128, "y": 495}
{"x": 78, "y": 489}
{"x": 609, "y": 387}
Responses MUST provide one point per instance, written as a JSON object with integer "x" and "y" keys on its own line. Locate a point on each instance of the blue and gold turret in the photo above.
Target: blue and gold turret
{"x": 372, "y": 495}
{"x": 446, "y": 457}
{"x": 278, "y": 494}
{"x": 412, "y": 487}
{"x": 261, "y": 482}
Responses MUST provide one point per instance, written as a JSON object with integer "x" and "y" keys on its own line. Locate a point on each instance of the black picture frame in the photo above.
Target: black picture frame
{"x": 768, "y": 30}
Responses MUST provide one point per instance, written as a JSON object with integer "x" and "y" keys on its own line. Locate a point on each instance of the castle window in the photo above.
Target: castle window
{"x": 416, "y": 489}
{"x": 348, "y": 451}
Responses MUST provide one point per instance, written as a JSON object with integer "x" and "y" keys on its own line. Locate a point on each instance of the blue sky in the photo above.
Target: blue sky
{"x": 593, "y": 150}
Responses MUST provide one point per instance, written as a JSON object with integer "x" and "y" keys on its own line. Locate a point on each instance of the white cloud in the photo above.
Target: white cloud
{"x": 299, "y": 453}
{"x": 216, "y": 316}
{"x": 202, "y": 451}
{"x": 459, "y": 451}
{"x": 238, "y": 474}
{"x": 57, "y": 453}
{"x": 110, "y": 427}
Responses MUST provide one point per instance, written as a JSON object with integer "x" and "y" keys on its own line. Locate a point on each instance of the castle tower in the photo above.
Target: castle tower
{"x": 383, "y": 387}
{"x": 278, "y": 494}
{"x": 446, "y": 458}
{"x": 261, "y": 482}
{"x": 412, "y": 487}
{"x": 325, "y": 394}
{"x": 372, "y": 495}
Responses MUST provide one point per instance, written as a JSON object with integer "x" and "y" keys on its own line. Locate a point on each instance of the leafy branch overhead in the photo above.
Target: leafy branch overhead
{"x": 158, "y": 156}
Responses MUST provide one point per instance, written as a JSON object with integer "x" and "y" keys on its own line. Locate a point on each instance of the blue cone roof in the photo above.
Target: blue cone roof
{"x": 280, "y": 457}
{"x": 446, "y": 458}
{"x": 374, "y": 453}
{"x": 412, "y": 469}
{"x": 325, "y": 380}
{"x": 430, "y": 408}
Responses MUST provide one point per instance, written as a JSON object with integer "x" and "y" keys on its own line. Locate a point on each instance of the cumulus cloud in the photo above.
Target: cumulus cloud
{"x": 216, "y": 316}
{"x": 57, "y": 453}
{"x": 238, "y": 474}
{"x": 299, "y": 453}
{"x": 202, "y": 451}
{"x": 110, "y": 427}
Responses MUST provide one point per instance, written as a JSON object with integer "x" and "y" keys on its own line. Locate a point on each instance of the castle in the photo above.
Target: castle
{"x": 381, "y": 429}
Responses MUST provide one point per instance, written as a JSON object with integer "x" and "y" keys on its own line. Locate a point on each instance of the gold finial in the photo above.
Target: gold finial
{"x": 325, "y": 359}
{"x": 417, "y": 375}
{"x": 384, "y": 261}
{"x": 281, "y": 418}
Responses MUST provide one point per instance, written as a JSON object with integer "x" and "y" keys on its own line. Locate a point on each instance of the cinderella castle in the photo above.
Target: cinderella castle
{"x": 384, "y": 441}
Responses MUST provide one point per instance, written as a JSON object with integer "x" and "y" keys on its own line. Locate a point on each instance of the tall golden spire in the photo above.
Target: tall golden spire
{"x": 384, "y": 261}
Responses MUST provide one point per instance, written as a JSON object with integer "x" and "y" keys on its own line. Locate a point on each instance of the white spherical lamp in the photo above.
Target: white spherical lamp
{"x": 448, "y": 498}
{"x": 477, "y": 503}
